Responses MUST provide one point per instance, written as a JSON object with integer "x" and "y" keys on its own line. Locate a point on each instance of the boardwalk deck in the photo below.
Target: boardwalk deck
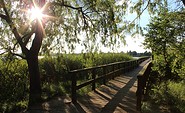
{"x": 117, "y": 96}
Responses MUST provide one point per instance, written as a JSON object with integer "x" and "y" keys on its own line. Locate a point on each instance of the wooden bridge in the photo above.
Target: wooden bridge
{"x": 121, "y": 92}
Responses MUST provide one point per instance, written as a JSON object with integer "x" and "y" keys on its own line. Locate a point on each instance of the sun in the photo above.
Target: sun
{"x": 35, "y": 13}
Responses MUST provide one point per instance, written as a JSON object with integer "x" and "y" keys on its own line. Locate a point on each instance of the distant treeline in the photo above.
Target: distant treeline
{"x": 135, "y": 54}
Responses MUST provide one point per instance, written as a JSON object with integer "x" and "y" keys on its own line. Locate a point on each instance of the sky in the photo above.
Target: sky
{"x": 135, "y": 43}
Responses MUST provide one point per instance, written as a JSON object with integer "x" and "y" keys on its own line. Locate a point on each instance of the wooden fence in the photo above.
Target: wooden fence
{"x": 143, "y": 79}
{"x": 109, "y": 71}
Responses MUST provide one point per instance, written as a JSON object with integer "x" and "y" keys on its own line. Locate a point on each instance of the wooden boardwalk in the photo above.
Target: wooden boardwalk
{"x": 117, "y": 96}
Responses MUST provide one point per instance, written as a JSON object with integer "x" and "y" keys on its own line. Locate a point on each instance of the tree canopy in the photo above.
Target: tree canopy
{"x": 68, "y": 21}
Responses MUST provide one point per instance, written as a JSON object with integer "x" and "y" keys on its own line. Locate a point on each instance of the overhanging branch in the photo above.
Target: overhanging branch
{"x": 80, "y": 9}
{"x": 141, "y": 12}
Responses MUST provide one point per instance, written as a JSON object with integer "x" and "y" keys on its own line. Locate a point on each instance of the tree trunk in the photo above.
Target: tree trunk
{"x": 34, "y": 75}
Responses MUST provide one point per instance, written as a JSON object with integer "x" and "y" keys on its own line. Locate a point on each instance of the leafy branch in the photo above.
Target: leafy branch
{"x": 141, "y": 12}
{"x": 8, "y": 19}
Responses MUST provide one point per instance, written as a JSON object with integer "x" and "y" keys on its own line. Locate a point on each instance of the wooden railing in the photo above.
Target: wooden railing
{"x": 143, "y": 79}
{"x": 108, "y": 71}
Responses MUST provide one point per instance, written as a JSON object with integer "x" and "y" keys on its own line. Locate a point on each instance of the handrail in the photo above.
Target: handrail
{"x": 142, "y": 77}
{"x": 116, "y": 69}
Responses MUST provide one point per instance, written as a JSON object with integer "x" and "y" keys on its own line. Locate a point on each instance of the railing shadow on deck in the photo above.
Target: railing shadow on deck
{"x": 109, "y": 71}
{"x": 117, "y": 99}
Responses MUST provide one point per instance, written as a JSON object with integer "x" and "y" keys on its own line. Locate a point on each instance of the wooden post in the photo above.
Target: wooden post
{"x": 139, "y": 92}
{"x": 124, "y": 67}
{"x": 128, "y": 66}
{"x": 94, "y": 80}
{"x": 73, "y": 78}
{"x": 104, "y": 73}
{"x": 131, "y": 67}
{"x": 134, "y": 64}
{"x": 113, "y": 70}
{"x": 119, "y": 72}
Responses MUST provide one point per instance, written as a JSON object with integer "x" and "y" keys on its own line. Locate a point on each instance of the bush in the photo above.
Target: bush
{"x": 176, "y": 92}
{"x": 171, "y": 94}
{"x": 13, "y": 84}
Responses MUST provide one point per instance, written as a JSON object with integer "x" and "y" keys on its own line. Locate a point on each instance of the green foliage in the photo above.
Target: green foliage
{"x": 13, "y": 84}
{"x": 170, "y": 94}
{"x": 177, "y": 95}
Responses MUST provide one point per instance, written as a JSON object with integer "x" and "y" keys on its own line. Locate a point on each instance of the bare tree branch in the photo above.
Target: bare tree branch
{"x": 3, "y": 52}
{"x": 68, "y": 6}
{"x": 27, "y": 37}
{"x": 14, "y": 46}
{"x": 15, "y": 54}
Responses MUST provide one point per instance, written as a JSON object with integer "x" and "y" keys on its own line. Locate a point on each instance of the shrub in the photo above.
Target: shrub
{"x": 171, "y": 94}
{"x": 13, "y": 84}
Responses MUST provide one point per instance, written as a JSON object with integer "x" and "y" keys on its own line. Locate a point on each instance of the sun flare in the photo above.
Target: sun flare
{"x": 36, "y": 13}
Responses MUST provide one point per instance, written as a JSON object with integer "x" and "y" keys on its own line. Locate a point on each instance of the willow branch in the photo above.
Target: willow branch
{"x": 13, "y": 28}
{"x": 80, "y": 9}
{"x": 141, "y": 12}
